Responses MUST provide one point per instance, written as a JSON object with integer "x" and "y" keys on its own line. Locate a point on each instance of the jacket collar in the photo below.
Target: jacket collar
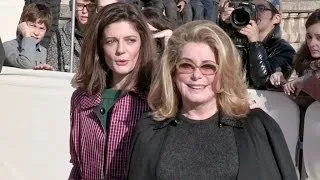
{"x": 89, "y": 101}
{"x": 224, "y": 120}
{"x": 274, "y": 34}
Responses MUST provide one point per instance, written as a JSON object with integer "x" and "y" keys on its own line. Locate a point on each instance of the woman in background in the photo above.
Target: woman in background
{"x": 307, "y": 61}
{"x": 59, "y": 49}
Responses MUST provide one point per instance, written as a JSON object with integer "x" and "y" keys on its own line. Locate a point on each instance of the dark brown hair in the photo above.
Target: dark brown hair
{"x": 156, "y": 18}
{"x": 34, "y": 12}
{"x": 94, "y": 74}
{"x": 303, "y": 56}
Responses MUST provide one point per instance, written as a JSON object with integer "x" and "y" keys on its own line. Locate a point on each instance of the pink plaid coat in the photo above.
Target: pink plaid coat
{"x": 97, "y": 153}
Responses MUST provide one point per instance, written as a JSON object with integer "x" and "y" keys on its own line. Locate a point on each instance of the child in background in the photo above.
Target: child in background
{"x": 25, "y": 51}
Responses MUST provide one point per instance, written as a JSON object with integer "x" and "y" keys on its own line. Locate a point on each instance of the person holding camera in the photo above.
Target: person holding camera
{"x": 254, "y": 26}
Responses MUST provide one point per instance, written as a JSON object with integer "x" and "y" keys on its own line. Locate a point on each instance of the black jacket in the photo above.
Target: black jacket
{"x": 267, "y": 57}
{"x": 262, "y": 150}
{"x": 262, "y": 59}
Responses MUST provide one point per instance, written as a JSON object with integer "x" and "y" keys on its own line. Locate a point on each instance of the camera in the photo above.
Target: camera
{"x": 244, "y": 12}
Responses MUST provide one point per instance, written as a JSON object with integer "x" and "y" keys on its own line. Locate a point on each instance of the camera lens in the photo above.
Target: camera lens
{"x": 240, "y": 17}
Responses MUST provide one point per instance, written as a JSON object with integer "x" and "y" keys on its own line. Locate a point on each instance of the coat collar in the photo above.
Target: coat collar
{"x": 274, "y": 34}
{"x": 224, "y": 120}
{"x": 89, "y": 101}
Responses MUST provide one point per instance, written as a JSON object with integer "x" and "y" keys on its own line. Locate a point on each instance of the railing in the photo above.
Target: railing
{"x": 293, "y": 26}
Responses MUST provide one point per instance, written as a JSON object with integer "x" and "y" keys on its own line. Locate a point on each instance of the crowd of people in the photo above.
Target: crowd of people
{"x": 162, "y": 86}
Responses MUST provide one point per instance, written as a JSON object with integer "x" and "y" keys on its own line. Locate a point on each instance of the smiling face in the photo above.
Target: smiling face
{"x": 313, "y": 40}
{"x": 197, "y": 87}
{"x": 121, "y": 46}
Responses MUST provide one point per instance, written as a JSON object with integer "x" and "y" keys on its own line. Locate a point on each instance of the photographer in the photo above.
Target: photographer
{"x": 259, "y": 41}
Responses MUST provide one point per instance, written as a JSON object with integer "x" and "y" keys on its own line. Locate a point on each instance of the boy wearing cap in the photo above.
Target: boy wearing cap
{"x": 265, "y": 52}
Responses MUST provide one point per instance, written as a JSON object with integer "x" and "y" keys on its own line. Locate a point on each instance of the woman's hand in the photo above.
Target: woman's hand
{"x": 181, "y": 5}
{"x": 225, "y": 12}
{"x": 166, "y": 34}
{"x": 294, "y": 86}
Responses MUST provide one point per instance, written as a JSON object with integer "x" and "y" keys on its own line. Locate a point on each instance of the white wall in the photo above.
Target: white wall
{"x": 35, "y": 124}
{"x": 10, "y": 11}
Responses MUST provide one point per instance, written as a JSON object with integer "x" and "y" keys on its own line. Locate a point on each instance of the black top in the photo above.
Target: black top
{"x": 198, "y": 150}
{"x": 262, "y": 150}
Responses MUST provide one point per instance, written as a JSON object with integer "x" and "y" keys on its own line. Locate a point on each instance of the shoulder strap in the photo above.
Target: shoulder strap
{"x": 60, "y": 57}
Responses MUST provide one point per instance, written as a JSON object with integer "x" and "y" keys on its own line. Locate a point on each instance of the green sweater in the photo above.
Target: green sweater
{"x": 109, "y": 97}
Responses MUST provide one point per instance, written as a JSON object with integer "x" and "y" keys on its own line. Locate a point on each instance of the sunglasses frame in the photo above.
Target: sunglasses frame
{"x": 194, "y": 67}
{"x": 86, "y": 6}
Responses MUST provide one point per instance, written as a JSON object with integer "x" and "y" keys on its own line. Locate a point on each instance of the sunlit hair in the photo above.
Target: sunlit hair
{"x": 94, "y": 74}
{"x": 34, "y": 12}
{"x": 303, "y": 55}
{"x": 165, "y": 99}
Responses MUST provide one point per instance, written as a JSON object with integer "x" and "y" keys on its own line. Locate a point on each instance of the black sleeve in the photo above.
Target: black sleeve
{"x": 138, "y": 162}
{"x": 262, "y": 65}
{"x": 146, "y": 149}
{"x": 2, "y": 55}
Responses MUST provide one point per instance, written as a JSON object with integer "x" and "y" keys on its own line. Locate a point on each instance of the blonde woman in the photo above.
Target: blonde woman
{"x": 201, "y": 126}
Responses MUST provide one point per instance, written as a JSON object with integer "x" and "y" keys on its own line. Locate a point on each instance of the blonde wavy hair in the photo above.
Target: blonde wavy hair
{"x": 232, "y": 100}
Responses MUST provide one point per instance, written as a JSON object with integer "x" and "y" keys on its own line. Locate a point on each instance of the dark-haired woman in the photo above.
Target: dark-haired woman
{"x": 113, "y": 81}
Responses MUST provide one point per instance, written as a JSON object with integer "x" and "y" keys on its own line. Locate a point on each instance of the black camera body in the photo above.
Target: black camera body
{"x": 244, "y": 12}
